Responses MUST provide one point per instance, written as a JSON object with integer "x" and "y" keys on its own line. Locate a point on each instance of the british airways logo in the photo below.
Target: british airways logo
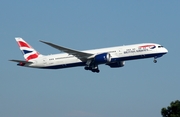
{"x": 147, "y": 46}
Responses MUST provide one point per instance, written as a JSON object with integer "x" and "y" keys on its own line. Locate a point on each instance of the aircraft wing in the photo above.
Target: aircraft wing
{"x": 81, "y": 55}
{"x": 20, "y": 61}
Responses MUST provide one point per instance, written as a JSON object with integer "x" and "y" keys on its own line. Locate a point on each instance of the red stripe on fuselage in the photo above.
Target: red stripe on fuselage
{"x": 145, "y": 46}
{"x": 23, "y": 44}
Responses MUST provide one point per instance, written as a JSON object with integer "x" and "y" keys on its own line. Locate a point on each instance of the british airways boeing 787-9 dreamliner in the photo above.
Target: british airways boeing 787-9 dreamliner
{"x": 113, "y": 56}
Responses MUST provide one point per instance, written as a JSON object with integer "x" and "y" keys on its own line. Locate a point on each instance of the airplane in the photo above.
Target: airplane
{"x": 114, "y": 57}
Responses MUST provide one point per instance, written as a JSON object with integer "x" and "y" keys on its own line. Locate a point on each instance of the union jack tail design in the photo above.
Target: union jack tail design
{"x": 28, "y": 52}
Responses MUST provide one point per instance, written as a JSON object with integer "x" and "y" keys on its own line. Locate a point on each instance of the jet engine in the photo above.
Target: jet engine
{"x": 117, "y": 64}
{"x": 102, "y": 58}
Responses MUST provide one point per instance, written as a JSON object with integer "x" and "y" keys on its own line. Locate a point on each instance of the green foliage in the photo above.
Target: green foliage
{"x": 171, "y": 111}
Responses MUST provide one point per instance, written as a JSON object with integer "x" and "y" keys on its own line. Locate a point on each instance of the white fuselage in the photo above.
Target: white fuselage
{"x": 119, "y": 53}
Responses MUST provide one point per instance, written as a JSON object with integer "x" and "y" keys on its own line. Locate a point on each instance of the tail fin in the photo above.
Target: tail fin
{"x": 28, "y": 52}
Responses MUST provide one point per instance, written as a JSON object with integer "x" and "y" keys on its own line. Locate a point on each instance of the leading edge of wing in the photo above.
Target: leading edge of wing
{"x": 78, "y": 54}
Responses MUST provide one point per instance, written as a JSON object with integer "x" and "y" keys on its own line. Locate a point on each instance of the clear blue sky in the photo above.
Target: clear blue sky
{"x": 140, "y": 89}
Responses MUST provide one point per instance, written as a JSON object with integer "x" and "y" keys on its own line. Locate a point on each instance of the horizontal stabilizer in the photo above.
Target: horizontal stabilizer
{"x": 21, "y": 61}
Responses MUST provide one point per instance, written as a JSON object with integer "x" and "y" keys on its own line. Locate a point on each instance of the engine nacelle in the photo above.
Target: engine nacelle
{"x": 117, "y": 64}
{"x": 102, "y": 58}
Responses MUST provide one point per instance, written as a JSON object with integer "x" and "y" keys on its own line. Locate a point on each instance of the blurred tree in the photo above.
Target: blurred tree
{"x": 171, "y": 111}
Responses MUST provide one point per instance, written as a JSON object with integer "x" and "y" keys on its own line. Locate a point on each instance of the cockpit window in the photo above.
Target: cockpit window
{"x": 160, "y": 46}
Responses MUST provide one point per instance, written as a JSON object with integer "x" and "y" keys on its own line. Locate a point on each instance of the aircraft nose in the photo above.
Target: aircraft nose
{"x": 165, "y": 50}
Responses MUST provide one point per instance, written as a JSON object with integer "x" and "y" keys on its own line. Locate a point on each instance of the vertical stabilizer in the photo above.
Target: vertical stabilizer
{"x": 28, "y": 52}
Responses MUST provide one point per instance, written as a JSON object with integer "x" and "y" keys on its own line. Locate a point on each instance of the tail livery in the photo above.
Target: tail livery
{"x": 28, "y": 52}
